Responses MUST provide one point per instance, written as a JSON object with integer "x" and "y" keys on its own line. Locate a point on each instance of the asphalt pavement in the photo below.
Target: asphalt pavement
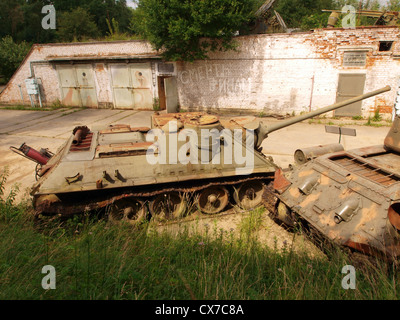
{"x": 50, "y": 129}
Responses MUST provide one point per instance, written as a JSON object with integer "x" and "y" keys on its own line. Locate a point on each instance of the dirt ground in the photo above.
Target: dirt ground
{"x": 241, "y": 225}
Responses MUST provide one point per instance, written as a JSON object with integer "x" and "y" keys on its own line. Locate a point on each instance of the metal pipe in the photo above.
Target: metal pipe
{"x": 22, "y": 95}
{"x": 312, "y": 91}
{"x": 263, "y": 130}
{"x": 317, "y": 112}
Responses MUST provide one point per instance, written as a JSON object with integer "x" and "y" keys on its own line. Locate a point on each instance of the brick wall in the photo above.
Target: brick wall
{"x": 271, "y": 73}
{"x": 290, "y": 73}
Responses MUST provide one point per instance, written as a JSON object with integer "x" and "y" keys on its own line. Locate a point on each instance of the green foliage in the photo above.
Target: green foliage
{"x": 95, "y": 261}
{"x": 22, "y": 18}
{"x": 12, "y": 54}
{"x": 181, "y": 26}
{"x": 76, "y": 25}
{"x": 8, "y": 211}
{"x": 114, "y": 33}
{"x": 393, "y": 5}
{"x": 156, "y": 104}
{"x": 305, "y": 14}
{"x": 377, "y": 116}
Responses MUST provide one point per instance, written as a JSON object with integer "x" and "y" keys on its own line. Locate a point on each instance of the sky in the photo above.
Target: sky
{"x": 131, "y": 3}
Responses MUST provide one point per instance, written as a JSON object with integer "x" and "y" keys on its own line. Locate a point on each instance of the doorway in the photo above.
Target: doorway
{"x": 168, "y": 93}
{"x": 350, "y": 85}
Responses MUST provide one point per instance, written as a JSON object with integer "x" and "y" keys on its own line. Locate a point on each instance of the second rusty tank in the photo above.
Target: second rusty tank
{"x": 351, "y": 198}
{"x": 184, "y": 160}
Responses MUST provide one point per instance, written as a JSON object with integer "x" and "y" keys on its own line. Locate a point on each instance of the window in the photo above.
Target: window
{"x": 385, "y": 45}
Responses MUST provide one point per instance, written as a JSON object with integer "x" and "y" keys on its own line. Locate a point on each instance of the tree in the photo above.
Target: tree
{"x": 393, "y": 5}
{"x": 11, "y": 17}
{"x": 189, "y": 29}
{"x": 22, "y": 19}
{"x": 76, "y": 25}
{"x": 107, "y": 10}
{"x": 305, "y": 14}
{"x": 12, "y": 54}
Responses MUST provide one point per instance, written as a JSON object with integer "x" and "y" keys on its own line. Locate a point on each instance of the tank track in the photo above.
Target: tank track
{"x": 71, "y": 204}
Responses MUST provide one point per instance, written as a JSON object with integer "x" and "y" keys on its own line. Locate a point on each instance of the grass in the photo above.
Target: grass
{"x": 377, "y": 116}
{"x": 372, "y": 123}
{"x": 97, "y": 260}
{"x": 55, "y": 106}
{"x": 156, "y": 104}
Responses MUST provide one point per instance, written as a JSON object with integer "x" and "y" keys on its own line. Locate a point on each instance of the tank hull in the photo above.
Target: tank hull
{"x": 349, "y": 197}
{"x": 119, "y": 163}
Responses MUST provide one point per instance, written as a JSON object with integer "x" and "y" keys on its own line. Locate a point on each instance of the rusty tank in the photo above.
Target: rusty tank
{"x": 351, "y": 198}
{"x": 185, "y": 160}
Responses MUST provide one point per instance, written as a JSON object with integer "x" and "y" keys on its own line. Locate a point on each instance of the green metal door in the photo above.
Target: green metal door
{"x": 77, "y": 85}
{"x": 350, "y": 86}
{"x": 132, "y": 86}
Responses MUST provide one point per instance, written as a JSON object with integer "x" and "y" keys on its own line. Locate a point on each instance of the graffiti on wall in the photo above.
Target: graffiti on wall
{"x": 216, "y": 78}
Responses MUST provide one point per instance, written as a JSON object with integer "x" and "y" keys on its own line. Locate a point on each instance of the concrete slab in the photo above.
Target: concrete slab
{"x": 50, "y": 129}
{"x": 26, "y": 119}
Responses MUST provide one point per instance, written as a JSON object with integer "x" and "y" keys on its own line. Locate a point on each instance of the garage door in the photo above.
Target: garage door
{"x": 132, "y": 86}
{"x": 77, "y": 86}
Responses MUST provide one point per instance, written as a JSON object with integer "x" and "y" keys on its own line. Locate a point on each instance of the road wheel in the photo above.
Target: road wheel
{"x": 249, "y": 195}
{"x": 213, "y": 200}
{"x": 168, "y": 206}
{"x": 132, "y": 211}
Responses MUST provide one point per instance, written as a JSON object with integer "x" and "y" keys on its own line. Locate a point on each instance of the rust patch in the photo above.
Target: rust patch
{"x": 194, "y": 118}
{"x": 84, "y": 145}
{"x": 280, "y": 182}
{"x": 360, "y": 247}
{"x": 125, "y": 149}
{"x": 67, "y": 209}
{"x": 100, "y": 67}
{"x": 68, "y": 98}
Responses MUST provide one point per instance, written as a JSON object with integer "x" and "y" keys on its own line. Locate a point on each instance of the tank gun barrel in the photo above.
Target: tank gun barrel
{"x": 263, "y": 130}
